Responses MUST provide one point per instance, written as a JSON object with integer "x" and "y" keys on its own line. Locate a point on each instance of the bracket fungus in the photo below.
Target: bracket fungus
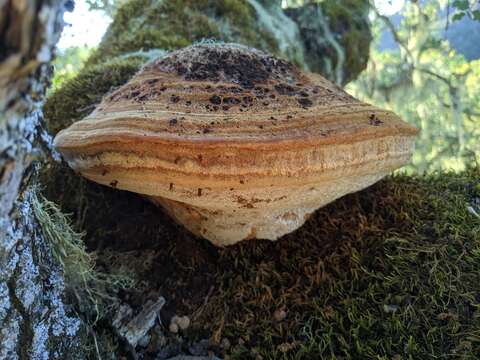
{"x": 234, "y": 143}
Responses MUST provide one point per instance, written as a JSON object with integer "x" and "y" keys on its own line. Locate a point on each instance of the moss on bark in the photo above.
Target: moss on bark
{"x": 169, "y": 25}
{"x": 336, "y": 37}
{"x": 78, "y": 96}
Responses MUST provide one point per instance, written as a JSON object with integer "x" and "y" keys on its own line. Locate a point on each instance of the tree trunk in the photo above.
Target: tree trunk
{"x": 34, "y": 322}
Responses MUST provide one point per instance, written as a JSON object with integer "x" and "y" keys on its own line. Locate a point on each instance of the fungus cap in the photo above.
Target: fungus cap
{"x": 234, "y": 143}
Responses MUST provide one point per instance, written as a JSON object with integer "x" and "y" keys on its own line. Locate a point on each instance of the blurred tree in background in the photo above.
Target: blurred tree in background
{"x": 67, "y": 64}
{"x": 423, "y": 77}
{"x": 427, "y": 83}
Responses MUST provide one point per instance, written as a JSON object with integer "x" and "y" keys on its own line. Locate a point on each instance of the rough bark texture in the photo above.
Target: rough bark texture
{"x": 33, "y": 318}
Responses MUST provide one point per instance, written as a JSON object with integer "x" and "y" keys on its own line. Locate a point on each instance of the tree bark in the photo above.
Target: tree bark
{"x": 34, "y": 323}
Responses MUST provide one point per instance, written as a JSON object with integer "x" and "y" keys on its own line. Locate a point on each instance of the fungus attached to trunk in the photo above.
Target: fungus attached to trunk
{"x": 233, "y": 143}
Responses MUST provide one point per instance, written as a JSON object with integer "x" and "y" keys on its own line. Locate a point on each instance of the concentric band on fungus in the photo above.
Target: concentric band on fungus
{"x": 210, "y": 124}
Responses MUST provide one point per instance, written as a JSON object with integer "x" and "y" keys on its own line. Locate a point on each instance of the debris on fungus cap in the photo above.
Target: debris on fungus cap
{"x": 234, "y": 143}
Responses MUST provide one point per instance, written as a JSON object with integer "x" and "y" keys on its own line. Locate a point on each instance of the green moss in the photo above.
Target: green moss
{"x": 147, "y": 24}
{"x": 78, "y": 96}
{"x": 389, "y": 271}
{"x": 143, "y": 26}
{"x": 349, "y": 18}
{"x": 336, "y": 37}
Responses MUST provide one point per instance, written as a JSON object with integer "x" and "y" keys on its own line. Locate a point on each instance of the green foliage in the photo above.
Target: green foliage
{"x": 67, "y": 64}
{"x": 465, "y": 8}
{"x": 429, "y": 85}
{"x": 108, "y": 6}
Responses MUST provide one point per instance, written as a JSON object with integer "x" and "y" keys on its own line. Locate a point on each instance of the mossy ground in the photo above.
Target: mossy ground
{"x": 391, "y": 272}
